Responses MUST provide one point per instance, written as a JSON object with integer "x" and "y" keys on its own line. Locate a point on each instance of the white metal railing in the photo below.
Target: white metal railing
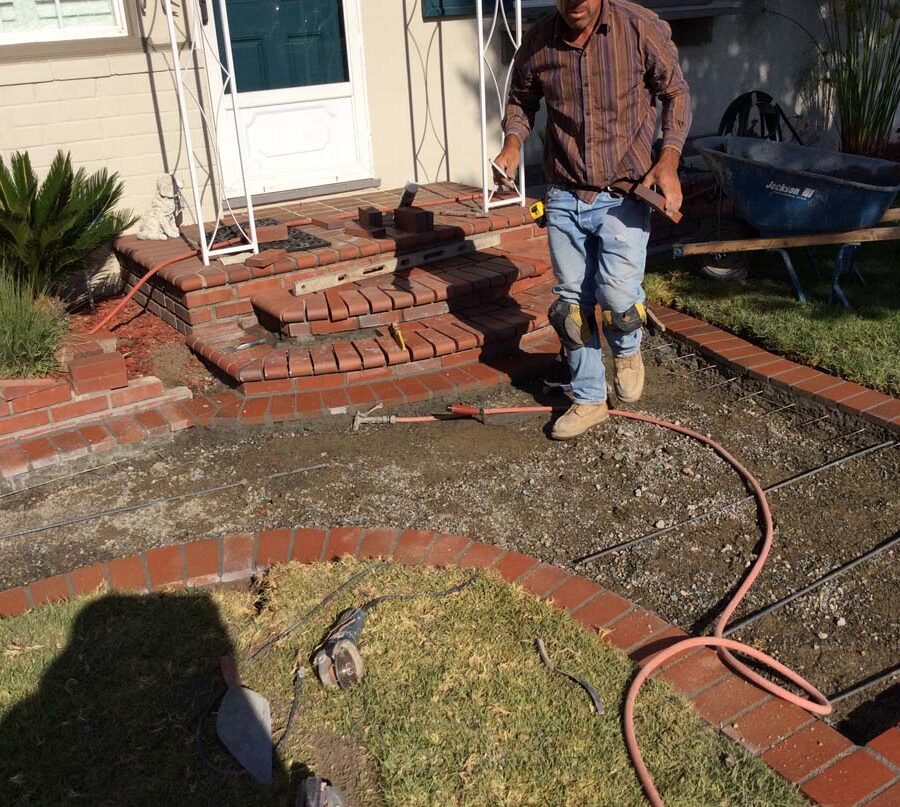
{"x": 499, "y": 26}
{"x": 248, "y": 232}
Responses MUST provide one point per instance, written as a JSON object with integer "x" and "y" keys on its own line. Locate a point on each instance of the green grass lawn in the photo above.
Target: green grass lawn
{"x": 100, "y": 699}
{"x": 861, "y": 345}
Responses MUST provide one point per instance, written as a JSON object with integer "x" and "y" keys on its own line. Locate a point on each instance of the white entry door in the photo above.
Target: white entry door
{"x": 301, "y": 94}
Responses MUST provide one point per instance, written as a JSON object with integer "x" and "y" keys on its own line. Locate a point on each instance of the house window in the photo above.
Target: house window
{"x": 24, "y": 21}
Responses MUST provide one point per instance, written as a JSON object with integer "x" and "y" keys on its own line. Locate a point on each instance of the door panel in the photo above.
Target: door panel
{"x": 301, "y": 91}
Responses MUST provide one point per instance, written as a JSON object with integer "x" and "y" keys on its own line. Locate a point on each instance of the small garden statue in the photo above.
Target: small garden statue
{"x": 160, "y": 221}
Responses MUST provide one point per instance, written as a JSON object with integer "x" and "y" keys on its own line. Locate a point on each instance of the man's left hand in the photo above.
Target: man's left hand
{"x": 665, "y": 176}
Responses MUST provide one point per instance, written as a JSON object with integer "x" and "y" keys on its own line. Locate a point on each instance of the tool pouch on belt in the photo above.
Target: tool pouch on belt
{"x": 573, "y": 323}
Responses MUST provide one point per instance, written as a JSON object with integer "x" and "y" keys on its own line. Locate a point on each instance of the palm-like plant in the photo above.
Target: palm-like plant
{"x": 47, "y": 230}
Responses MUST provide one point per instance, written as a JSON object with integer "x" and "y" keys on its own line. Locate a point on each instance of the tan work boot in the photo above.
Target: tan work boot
{"x": 578, "y": 420}
{"x": 629, "y": 381}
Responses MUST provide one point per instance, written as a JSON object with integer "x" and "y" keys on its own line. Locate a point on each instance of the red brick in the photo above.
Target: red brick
{"x": 768, "y": 723}
{"x": 378, "y": 543}
{"x": 79, "y": 408}
{"x": 274, "y": 546}
{"x": 20, "y": 423}
{"x": 13, "y": 388}
{"x": 446, "y": 549}
{"x": 87, "y": 579}
{"x": 50, "y": 589}
{"x": 479, "y": 556}
{"x": 544, "y": 579}
{"x": 412, "y": 548}
{"x": 694, "y": 672}
{"x": 794, "y": 376}
{"x": 237, "y": 556}
{"x": 342, "y": 542}
{"x": 634, "y": 629}
{"x": 164, "y": 565}
{"x": 309, "y": 404}
{"x": 13, "y": 602}
{"x": 863, "y": 402}
{"x": 202, "y": 561}
{"x": 127, "y": 574}
{"x": 98, "y": 372}
{"x": 254, "y": 410}
{"x": 888, "y": 745}
{"x": 849, "y": 780}
{"x": 40, "y": 399}
{"x": 308, "y": 545}
{"x": 725, "y": 700}
{"x": 140, "y": 389}
{"x": 97, "y": 438}
{"x": 887, "y": 411}
{"x": 40, "y": 452}
{"x": 514, "y": 564}
{"x": 643, "y": 653}
{"x": 572, "y": 594}
{"x": 152, "y": 423}
{"x": 13, "y": 461}
{"x": 125, "y": 430}
{"x": 70, "y": 444}
{"x": 601, "y": 610}
{"x": 335, "y": 401}
{"x": 890, "y": 798}
{"x": 802, "y": 753}
{"x": 818, "y": 384}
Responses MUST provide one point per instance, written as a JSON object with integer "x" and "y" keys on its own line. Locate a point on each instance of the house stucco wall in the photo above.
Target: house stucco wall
{"x": 116, "y": 111}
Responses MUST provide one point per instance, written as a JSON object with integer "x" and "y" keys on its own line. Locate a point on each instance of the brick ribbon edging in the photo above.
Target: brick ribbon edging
{"x": 745, "y": 358}
{"x": 806, "y": 751}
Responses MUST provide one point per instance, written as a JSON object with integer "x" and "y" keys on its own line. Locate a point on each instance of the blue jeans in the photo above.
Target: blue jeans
{"x": 598, "y": 252}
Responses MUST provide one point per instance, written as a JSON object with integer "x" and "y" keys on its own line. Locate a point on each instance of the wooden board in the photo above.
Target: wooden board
{"x": 786, "y": 242}
{"x": 375, "y": 266}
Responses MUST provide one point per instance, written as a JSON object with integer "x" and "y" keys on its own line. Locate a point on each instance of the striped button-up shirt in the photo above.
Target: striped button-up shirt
{"x": 601, "y": 99}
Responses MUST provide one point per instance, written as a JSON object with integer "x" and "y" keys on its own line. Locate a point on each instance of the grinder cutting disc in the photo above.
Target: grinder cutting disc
{"x": 337, "y": 659}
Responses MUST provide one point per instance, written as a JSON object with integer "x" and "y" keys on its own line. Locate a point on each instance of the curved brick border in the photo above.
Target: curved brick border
{"x": 806, "y": 751}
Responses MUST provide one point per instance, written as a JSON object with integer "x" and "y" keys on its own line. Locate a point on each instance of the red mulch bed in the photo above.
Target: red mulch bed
{"x": 149, "y": 345}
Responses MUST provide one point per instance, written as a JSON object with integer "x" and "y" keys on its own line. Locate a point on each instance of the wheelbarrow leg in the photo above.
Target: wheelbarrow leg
{"x": 843, "y": 262}
{"x": 792, "y": 273}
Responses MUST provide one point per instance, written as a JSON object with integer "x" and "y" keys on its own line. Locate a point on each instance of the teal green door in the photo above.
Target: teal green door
{"x": 285, "y": 43}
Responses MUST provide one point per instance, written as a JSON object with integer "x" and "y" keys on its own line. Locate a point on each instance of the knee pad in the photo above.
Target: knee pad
{"x": 574, "y": 324}
{"x": 627, "y": 321}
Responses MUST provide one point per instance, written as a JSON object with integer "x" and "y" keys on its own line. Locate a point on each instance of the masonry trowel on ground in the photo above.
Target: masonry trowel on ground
{"x": 244, "y": 724}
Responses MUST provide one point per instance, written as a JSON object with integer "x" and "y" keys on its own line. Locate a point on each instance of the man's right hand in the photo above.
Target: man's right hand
{"x": 508, "y": 160}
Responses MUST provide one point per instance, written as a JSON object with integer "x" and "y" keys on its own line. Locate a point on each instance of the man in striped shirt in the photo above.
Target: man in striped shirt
{"x": 601, "y": 66}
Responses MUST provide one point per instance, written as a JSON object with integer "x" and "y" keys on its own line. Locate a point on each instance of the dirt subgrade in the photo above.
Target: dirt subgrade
{"x": 504, "y": 482}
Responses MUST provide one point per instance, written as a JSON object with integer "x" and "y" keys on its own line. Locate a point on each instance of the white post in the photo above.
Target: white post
{"x": 484, "y": 67}
{"x": 207, "y": 249}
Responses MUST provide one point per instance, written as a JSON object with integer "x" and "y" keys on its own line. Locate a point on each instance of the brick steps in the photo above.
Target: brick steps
{"x": 484, "y": 326}
{"x": 143, "y": 394}
{"x": 405, "y": 296}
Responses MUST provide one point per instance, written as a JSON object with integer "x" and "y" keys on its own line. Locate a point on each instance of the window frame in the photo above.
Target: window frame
{"x": 130, "y": 40}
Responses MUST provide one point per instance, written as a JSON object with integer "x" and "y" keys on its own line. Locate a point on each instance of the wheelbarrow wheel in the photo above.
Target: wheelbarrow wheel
{"x": 726, "y": 267}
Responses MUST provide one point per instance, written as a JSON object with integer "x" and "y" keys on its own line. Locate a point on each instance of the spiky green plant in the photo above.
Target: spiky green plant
{"x": 861, "y": 55}
{"x": 31, "y": 328}
{"x": 48, "y": 229}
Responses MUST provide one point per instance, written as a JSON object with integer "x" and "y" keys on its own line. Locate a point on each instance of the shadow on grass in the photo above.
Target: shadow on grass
{"x": 114, "y": 718}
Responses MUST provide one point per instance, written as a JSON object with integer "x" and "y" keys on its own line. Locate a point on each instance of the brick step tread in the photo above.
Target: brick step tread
{"x": 189, "y": 274}
{"x": 57, "y": 409}
{"x": 133, "y": 407}
{"x": 441, "y": 282}
{"x": 432, "y": 337}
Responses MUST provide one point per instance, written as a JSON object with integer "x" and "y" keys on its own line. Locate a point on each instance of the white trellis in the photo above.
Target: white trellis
{"x": 500, "y": 26}
{"x": 216, "y": 98}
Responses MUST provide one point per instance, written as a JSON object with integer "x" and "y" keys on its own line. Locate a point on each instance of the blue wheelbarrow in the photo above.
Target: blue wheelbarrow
{"x": 798, "y": 196}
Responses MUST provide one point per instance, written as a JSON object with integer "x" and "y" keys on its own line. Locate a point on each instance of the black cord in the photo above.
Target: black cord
{"x": 298, "y": 685}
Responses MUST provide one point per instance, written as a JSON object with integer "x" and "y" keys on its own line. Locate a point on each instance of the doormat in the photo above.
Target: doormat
{"x": 230, "y": 231}
{"x": 298, "y": 239}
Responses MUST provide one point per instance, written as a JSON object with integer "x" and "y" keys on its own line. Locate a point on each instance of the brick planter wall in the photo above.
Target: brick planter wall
{"x": 828, "y": 768}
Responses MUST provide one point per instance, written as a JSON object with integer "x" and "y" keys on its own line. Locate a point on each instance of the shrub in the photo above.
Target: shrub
{"x": 31, "y": 328}
{"x": 48, "y": 230}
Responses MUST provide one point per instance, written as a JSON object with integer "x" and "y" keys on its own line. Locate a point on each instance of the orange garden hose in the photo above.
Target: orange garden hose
{"x": 168, "y": 262}
{"x": 817, "y": 703}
